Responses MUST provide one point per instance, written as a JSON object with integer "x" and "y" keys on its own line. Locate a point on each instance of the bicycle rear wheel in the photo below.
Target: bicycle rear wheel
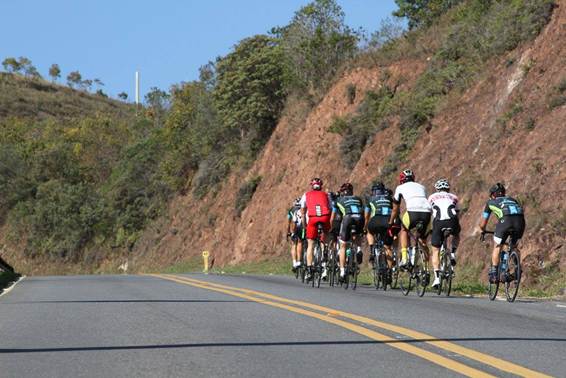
{"x": 405, "y": 280}
{"x": 331, "y": 265}
{"x": 383, "y": 269}
{"x": 512, "y": 277}
{"x": 448, "y": 273}
{"x": 494, "y": 287}
{"x": 395, "y": 271}
{"x": 420, "y": 273}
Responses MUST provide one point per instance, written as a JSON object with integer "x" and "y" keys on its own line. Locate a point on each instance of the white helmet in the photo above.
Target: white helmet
{"x": 442, "y": 184}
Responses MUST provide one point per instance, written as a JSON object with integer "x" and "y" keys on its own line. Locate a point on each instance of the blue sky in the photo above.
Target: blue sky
{"x": 166, "y": 40}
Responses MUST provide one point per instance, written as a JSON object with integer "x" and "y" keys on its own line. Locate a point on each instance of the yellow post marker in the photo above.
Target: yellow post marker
{"x": 205, "y": 261}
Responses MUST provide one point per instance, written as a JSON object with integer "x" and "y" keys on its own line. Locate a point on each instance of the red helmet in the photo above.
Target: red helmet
{"x": 406, "y": 175}
{"x": 316, "y": 183}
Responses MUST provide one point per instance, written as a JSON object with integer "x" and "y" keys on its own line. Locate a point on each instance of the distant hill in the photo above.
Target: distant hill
{"x": 23, "y": 97}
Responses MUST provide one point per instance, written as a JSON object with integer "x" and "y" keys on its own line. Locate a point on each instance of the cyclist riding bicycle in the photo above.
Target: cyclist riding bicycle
{"x": 377, "y": 211}
{"x": 418, "y": 210}
{"x": 350, "y": 207}
{"x": 337, "y": 221}
{"x": 315, "y": 209}
{"x": 511, "y": 221}
{"x": 295, "y": 232}
{"x": 445, "y": 215}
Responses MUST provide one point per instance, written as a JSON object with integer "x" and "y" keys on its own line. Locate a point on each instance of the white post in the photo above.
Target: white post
{"x": 137, "y": 87}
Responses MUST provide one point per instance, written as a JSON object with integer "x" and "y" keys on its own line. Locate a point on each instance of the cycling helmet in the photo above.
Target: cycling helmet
{"x": 297, "y": 202}
{"x": 406, "y": 176}
{"x": 316, "y": 183}
{"x": 442, "y": 184}
{"x": 497, "y": 190}
{"x": 378, "y": 189}
{"x": 347, "y": 189}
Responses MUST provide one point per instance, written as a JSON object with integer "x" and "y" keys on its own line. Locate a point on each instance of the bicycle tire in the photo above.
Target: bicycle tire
{"x": 319, "y": 268}
{"x": 349, "y": 267}
{"x": 420, "y": 273}
{"x": 406, "y": 280}
{"x": 395, "y": 273}
{"x": 383, "y": 269}
{"x": 330, "y": 265}
{"x": 315, "y": 265}
{"x": 513, "y": 276}
{"x": 374, "y": 267}
{"x": 493, "y": 287}
{"x": 442, "y": 272}
{"x": 447, "y": 287}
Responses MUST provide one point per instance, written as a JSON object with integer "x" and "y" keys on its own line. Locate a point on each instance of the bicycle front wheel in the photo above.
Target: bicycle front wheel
{"x": 493, "y": 288}
{"x": 513, "y": 277}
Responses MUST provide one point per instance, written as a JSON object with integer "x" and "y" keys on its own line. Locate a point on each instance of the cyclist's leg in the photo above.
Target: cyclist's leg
{"x": 370, "y": 237}
{"x": 455, "y": 240}
{"x": 344, "y": 238}
{"x": 404, "y": 237}
{"x": 436, "y": 240}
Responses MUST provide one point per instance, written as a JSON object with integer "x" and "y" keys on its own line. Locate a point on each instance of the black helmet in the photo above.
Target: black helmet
{"x": 497, "y": 190}
{"x": 347, "y": 189}
{"x": 377, "y": 189}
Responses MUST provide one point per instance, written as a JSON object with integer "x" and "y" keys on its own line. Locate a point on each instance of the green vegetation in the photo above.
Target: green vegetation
{"x": 558, "y": 96}
{"x": 476, "y": 31}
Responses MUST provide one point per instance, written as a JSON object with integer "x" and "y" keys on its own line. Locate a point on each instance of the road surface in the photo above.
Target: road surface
{"x": 268, "y": 326}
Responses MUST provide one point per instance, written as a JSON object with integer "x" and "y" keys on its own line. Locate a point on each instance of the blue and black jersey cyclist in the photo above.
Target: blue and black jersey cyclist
{"x": 351, "y": 208}
{"x": 379, "y": 207}
{"x": 511, "y": 221}
{"x": 337, "y": 221}
{"x": 295, "y": 232}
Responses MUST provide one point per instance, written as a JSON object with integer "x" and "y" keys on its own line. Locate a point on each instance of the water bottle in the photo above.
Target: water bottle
{"x": 412, "y": 252}
{"x": 504, "y": 261}
{"x": 348, "y": 252}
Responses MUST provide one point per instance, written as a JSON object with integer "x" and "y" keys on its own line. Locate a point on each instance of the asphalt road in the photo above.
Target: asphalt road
{"x": 196, "y": 325}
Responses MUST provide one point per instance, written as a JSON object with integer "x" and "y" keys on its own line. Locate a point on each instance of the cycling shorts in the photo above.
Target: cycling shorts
{"x": 507, "y": 224}
{"x": 379, "y": 225}
{"x": 349, "y": 221}
{"x": 411, "y": 218}
{"x": 312, "y": 230}
{"x": 298, "y": 234}
{"x": 437, "y": 236}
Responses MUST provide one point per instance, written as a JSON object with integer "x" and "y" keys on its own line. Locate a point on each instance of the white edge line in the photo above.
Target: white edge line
{"x": 11, "y": 287}
{"x": 562, "y": 306}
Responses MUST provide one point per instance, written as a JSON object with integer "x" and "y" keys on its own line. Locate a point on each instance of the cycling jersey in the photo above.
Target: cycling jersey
{"x": 444, "y": 206}
{"x": 414, "y": 195}
{"x": 294, "y": 215}
{"x": 349, "y": 205}
{"x": 379, "y": 205}
{"x": 501, "y": 207}
{"x": 317, "y": 203}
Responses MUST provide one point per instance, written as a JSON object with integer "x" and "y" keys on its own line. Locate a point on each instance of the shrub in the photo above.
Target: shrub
{"x": 245, "y": 194}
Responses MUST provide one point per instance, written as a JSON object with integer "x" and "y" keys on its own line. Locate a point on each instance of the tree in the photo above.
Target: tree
{"x": 54, "y": 72}
{"x": 11, "y": 65}
{"x": 249, "y": 92}
{"x": 74, "y": 79}
{"x": 316, "y": 43}
{"x": 423, "y": 12}
{"x": 388, "y": 31}
{"x": 86, "y": 84}
{"x": 123, "y": 96}
{"x": 158, "y": 102}
{"x": 98, "y": 82}
{"x": 28, "y": 68}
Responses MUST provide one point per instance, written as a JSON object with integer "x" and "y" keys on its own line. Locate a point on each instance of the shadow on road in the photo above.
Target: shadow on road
{"x": 263, "y": 344}
{"x": 136, "y": 301}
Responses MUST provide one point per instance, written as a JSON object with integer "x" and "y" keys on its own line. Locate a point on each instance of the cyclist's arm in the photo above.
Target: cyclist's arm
{"x": 394, "y": 212}
{"x": 332, "y": 215}
{"x": 366, "y": 218}
{"x": 485, "y": 218}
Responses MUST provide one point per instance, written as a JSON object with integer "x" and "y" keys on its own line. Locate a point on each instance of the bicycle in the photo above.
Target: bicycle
{"x": 417, "y": 270}
{"x": 318, "y": 256}
{"x": 446, "y": 269}
{"x": 352, "y": 268}
{"x": 332, "y": 265}
{"x": 379, "y": 265}
{"x": 508, "y": 270}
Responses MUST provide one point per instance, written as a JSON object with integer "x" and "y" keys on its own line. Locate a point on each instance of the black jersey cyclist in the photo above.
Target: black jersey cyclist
{"x": 337, "y": 220}
{"x": 377, "y": 212}
{"x": 295, "y": 232}
{"x": 351, "y": 208}
{"x": 511, "y": 221}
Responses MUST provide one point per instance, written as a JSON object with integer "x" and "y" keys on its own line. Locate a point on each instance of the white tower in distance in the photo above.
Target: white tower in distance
{"x": 137, "y": 87}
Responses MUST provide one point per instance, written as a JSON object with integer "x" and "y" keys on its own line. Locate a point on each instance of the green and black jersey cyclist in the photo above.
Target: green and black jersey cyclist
{"x": 510, "y": 217}
{"x": 418, "y": 209}
{"x": 337, "y": 220}
{"x": 295, "y": 232}
{"x": 350, "y": 207}
{"x": 379, "y": 207}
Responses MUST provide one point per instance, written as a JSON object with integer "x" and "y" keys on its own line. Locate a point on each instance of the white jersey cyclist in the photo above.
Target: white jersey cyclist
{"x": 444, "y": 205}
{"x": 414, "y": 195}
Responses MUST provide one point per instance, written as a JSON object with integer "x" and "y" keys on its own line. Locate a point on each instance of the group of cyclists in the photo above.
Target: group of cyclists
{"x": 342, "y": 214}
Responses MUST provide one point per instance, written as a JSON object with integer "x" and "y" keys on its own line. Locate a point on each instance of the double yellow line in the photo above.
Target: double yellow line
{"x": 337, "y": 317}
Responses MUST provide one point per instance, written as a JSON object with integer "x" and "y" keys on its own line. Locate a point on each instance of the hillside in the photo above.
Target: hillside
{"x": 40, "y": 99}
{"x": 480, "y": 136}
